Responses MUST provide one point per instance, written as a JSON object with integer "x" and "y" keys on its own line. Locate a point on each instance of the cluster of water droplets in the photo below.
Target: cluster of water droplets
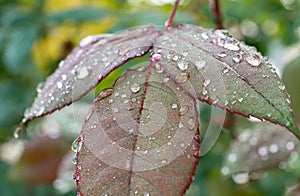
{"x": 256, "y": 150}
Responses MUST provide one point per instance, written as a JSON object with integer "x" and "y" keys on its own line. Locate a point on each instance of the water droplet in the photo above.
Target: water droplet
{"x": 183, "y": 65}
{"x": 146, "y": 194}
{"x": 115, "y": 110}
{"x": 82, "y": 73}
{"x": 182, "y": 77}
{"x": 39, "y": 87}
{"x": 104, "y": 59}
{"x": 123, "y": 95}
{"x": 158, "y": 68}
{"x": 18, "y": 131}
{"x": 225, "y": 70}
{"x": 237, "y": 58}
{"x": 183, "y": 110}
{"x": 155, "y": 56}
{"x": 191, "y": 123}
{"x": 240, "y": 99}
{"x": 241, "y": 178}
{"x": 175, "y": 58}
{"x": 253, "y": 60}
{"x": 185, "y": 53}
{"x": 141, "y": 69}
{"x": 61, "y": 63}
{"x": 77, "y": 144}
{"x": 232, "y": 157}
{"x": 206, "y": 82}
{"x": 123, "y": 51}
{"x": 135, "y": 88}
{"x": 225, "y": 170}
{"x": 74, "y": 160}
{"x": 197, "y": 154}
{"x": 180, "y": 125}
{"x": 204, "y": 35}
{"x": 262, "y": 151}
{"x": 174, "y": 105}
{"x": 290, "y": 146}
{"x": 281, "y": 86}
{"x": 64, "y": 77}
{"x": 222, "y": 54}
{"x": 231, "y": 46}
{"x": 273, "y": 148}
{"x": 59, "y": 85}
{"x": 76, "y": 176}
{"x": 86, "y": 41}
{"x": 200, "y": 64}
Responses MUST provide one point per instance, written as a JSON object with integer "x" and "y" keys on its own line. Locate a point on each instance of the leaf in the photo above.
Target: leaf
{"x": 260, "y": 148}
{"x": 139, "y": 138}
{"x": 224, "y": 72}
{"x": 94, "y": 58}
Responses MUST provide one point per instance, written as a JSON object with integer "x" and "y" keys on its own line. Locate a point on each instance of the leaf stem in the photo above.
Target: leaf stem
{"x": 170, "y": 21}
{"x": 216, "y": 13}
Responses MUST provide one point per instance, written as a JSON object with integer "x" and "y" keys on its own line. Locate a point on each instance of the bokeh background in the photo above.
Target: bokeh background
{"x": 249, "y": 158}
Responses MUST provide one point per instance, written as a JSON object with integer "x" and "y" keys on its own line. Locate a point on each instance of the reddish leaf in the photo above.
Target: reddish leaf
{"x": 94, "y": 58}
{"x": 139, "y": 138}
{"x": 224, "y": 72}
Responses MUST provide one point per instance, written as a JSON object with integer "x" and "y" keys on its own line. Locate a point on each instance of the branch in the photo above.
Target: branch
{"x": 216, "y": 13}
{"x": 170, "y": 21}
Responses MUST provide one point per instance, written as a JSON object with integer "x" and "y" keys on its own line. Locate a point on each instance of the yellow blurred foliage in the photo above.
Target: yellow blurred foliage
{"x": 60, "y": 5}
{"x": 49, "y": 49}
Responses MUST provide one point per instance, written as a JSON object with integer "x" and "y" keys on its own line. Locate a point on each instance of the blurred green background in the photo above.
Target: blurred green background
{"x": 36, "y": 34}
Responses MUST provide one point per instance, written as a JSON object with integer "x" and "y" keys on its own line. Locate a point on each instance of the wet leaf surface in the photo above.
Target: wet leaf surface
{"x": 139, "y": 138}
{"x": 222, "y": 71}
{"x": 260, "y": 148}
{"x": 94, "y": 58}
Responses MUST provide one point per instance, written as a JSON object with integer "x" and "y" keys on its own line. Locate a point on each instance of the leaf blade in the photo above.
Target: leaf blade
{"x": 94, "y": 58}
{"x": 161, "y": 166}
{"x": 225, "y": 73}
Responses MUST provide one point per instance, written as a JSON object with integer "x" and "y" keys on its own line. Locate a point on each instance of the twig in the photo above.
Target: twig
{"x": 216, "y": 13}
{"x": 170, "y": 21}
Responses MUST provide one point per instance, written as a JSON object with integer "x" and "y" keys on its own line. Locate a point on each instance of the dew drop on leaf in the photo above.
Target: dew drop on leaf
{"x": 237, "y": 58}
{"x": 183, "y": 65}
{"x": 77, "y": 144}
{"x": 155, "y": 56}
{"x": 183, "y": 110}
{"x": 174, "y": 105}
{"x": 222, "y": 54}
{"x": 74, "y": 160}
{"x": 182, "y": 77}
{"x": 290, "y": 146}
{"x": 281, "y": 86}
{"x": 59, "y": 85}
{"x": 231, "y": 46}
{"x": 82, "y": 73}
{"x": 135, "y": 88}
{"x": 191, "y": 123}
{"x": 253, "y": 60}
{"x": 200, "y": 64}
{"x": 39, "y": 87}
{"x": 206, "y": 82}
{"x": 273, "y": 148}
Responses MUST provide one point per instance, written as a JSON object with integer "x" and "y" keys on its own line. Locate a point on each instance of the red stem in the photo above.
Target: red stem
{"x": 217, "y": 13}
{"x": 169, "y": 24}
